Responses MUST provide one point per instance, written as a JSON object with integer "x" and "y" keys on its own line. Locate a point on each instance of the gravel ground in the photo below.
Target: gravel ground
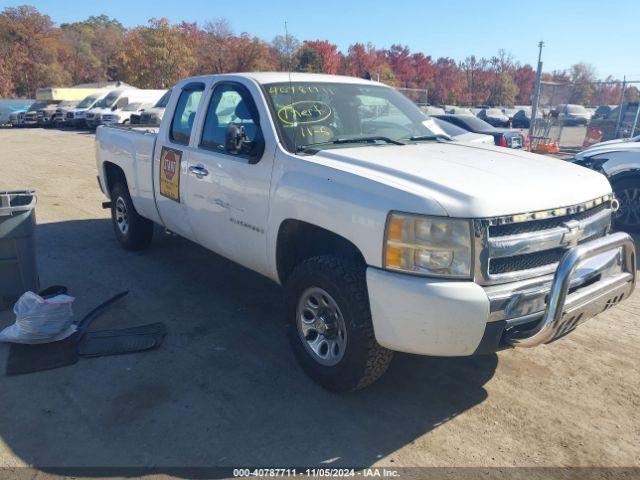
{"x": 224, "y": 389}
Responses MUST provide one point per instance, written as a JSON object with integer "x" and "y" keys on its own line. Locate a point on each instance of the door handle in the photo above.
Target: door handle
{"x": 198, "y": 170}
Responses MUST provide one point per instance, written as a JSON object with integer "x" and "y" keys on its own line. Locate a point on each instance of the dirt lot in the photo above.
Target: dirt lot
{"x": 224, "y": 389}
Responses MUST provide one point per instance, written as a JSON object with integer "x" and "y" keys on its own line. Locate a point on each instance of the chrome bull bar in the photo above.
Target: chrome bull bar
{"x": 560, "y": 318}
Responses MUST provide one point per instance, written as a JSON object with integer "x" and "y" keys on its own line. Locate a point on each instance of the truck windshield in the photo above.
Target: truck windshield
{"x": 87, "y": 102}
{"x": 330, "y": 115}
{"x": 108, "y": 101}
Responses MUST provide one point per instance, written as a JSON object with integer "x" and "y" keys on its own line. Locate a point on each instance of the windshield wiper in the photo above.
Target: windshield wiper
{"x": 419, "y": 138}
{"x": 340, "y": 141}
{"x": 368, "y": 139}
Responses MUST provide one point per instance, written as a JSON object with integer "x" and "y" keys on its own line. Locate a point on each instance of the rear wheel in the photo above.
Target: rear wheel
{"x": 132, "y": 231}
{"x": 331, "y": 332}
{"x": 627, "y": 192}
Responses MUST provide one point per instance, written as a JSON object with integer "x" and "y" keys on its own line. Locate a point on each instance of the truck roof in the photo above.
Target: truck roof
{"x": 282, "y": 77}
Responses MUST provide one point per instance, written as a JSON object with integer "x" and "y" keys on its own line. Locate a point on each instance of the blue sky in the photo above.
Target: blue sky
{"x": 603, "y": 33}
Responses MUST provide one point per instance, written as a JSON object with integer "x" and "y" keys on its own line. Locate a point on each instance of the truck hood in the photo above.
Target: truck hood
{"x": 470, "y": 180}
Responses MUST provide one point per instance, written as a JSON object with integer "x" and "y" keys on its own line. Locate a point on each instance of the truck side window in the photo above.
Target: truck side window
{"x": 230, "y": 104}
{"x": 185, "y": 112}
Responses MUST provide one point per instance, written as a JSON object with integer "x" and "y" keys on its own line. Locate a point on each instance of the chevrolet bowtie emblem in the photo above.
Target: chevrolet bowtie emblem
{"x": 573, "y": 235}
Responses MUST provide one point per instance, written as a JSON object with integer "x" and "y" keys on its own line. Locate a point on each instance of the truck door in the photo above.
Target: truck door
{"x": 228, "y": 192}
{"x": 171, "y": 158}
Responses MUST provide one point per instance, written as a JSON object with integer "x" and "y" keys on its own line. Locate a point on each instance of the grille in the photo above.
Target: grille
{"x": 525, "y": 262}
{"x": 69, "y": 115}
{"x": 503, "y": 257}
{"x": 537, "y": 225}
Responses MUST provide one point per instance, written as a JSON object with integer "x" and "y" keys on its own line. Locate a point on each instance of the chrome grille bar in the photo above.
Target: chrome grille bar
{"x": 534, "y": 252}
{"x": 523, "y": 243}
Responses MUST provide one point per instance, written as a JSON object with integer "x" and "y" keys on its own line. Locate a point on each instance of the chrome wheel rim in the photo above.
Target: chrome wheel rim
{"x": 122, "y": 216}
{"x": 321, "y": 326}
{"x": 629, "y": 211}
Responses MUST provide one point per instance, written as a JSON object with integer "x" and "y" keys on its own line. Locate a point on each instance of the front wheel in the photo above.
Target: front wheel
{"x": 132, "y": 231}
{"x": 627, "y": 192}
{"x": 331, "y": 332}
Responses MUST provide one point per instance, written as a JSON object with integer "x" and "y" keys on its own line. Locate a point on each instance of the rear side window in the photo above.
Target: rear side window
{"x": 185, "y": 113}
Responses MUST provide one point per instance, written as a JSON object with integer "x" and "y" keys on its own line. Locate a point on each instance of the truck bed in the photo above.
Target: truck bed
{"x": 131, "y": 148}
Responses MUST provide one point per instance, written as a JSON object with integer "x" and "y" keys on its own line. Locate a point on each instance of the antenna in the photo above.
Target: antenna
{"x": 293, "y": 111}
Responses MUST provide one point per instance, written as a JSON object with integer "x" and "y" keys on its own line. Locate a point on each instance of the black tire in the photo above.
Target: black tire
{"x": 627, "y": 192}
{"x": 139, "y": 231}
{"x": 363, "y": 360}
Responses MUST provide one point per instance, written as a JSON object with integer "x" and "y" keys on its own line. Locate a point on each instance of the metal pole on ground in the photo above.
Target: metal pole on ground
{"x": 536, "y": 94}
{"x": 619, "y": 121}
{"x": 635, "y": 122}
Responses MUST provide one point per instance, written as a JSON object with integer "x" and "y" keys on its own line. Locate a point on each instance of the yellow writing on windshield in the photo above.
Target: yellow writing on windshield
{"x": 304, "y": 112}
{"x": 299, "y": 89}
{"x": 315, "y": 131}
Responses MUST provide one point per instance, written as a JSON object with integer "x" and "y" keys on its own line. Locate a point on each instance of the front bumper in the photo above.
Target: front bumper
{"x": 452, "y": 318}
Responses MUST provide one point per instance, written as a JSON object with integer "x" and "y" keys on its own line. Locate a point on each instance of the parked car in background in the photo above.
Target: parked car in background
{"x": 431, "y": 110}
{"x": 615, "y": 141}
{"x": 607, "y": 125}
{"x": 12, "y": 105}
{"x": 522, "y": 118}
{"x": 60, "y": 115}
{"x": 459, "y": 111}
{"x": 29, "y": 118}
{"x": 117, "y": 100}
{"x": 45, "y": 115}
{"x": 602, "y": 111}
{"x": 620, "y": 163}
{"x": 153, "y": 115}
{"x": 123, "y": 115}
{"x": 510, "y": 112}
{"x": 502, "y": 137}
{"x": 494, "y": 116}
{"x": 461, "y": 135}
{"x": 572, "y": 115}
{"x": 76, "y": 116}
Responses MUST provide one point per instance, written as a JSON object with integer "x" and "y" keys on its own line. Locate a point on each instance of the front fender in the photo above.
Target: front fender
{"x": 351, "y": 206}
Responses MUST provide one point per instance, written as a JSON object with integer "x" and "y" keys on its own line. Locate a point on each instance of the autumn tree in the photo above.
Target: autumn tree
{"x": 29, "y": 52}
{"x": 475, "y": 78}
{"x": 285, "y": 50}
{"x": 319, "y": 56}
{"x": 157, "y": 55}
{"x": 92, "y": 48}
{"x": 582, "y": 75}
{"x": 447, "y": 84}
{"x": 525, "y": 78}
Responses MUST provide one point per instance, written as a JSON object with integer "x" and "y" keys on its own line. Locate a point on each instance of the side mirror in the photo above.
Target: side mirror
{"x": 114, "y": 108}
{"x": 235, "y": 140}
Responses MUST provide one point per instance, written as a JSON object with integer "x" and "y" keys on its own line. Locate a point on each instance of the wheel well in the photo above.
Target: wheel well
{"x": 626, "y": 175}
{"x": 298, "y": 240}
{"x": 113, "y": 173}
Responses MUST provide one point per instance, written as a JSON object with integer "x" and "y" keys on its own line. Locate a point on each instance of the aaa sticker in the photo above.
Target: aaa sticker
{"x": 170, "y": 173}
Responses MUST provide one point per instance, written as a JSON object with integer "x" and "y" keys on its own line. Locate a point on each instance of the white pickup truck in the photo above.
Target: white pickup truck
{"x": 385, "y": 234}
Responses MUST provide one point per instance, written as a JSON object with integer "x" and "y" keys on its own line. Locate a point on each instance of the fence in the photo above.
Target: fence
{"x": 573, "y": 116}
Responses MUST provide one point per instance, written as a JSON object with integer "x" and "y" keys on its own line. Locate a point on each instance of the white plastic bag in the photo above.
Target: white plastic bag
{"x": 40, "y": 320}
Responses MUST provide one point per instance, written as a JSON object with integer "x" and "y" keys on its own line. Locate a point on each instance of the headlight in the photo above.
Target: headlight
{"x": 431, "y": 246}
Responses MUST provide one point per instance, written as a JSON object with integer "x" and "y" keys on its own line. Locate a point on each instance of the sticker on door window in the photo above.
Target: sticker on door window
{"x": 170, "y": 173}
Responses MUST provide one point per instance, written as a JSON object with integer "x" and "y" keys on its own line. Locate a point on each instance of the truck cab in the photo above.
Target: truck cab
{"x": 385, "y": 234}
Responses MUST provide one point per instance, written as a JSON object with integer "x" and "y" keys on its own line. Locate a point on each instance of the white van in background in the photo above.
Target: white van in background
{"x": 123, "y": 116}
{"x": 75, "y": 116}
{"x": 118, "y": 99}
